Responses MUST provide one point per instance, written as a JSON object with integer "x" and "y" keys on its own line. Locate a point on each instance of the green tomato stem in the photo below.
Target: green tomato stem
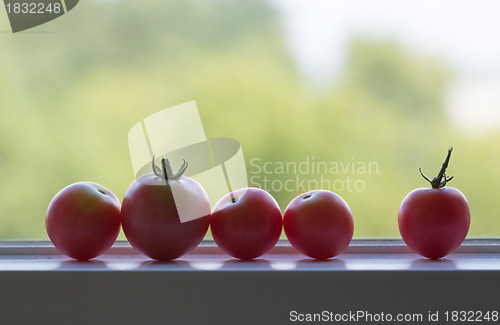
{"x": 441, "y": 179}
{"x": 166, "y": 172}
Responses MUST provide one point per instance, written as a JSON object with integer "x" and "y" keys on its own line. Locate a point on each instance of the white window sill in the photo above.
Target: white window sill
{"x": 367, "y": 255}
{"x": 38, "y": 285}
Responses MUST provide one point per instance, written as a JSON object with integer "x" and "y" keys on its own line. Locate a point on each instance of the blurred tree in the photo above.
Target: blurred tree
{"x": 400, "y": 80}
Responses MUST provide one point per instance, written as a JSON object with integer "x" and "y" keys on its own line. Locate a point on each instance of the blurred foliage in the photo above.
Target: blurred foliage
{"x": 69, "y": 97}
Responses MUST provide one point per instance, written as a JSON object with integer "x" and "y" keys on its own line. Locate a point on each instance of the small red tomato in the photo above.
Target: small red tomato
{"x": 246, "y": 223}
{"x": 318, "y": 224}
{"x": 165, "y": 214}
{"x": 83, "y": 220}
{"x": 434, "y": 221}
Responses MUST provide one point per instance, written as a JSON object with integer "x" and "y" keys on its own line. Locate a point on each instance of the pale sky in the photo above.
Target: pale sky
{"x": 466, "y": 34}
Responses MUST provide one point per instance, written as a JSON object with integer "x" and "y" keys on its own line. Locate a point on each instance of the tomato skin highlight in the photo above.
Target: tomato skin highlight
{"x": 249, "y": 227}
{"x": 83, "y": 220}
{"x": 318, "y": 224}
{"x": 150, "y": 218}
{"x": 433, "y": 222}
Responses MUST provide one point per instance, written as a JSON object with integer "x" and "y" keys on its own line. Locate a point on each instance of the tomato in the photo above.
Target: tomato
{"x": 165, "y": 214}
{"x": 433, "y": 222}
{"x": 318, "y": 224}
{"x": 246, "y": 223}
{"x": 83, "y": 220}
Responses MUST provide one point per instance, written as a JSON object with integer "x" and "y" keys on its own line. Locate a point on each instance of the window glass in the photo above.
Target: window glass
{"x": 349, "y": 96}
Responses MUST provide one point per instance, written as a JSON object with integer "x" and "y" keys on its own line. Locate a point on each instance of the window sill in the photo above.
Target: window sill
{"x": 361, "y": 255}
{"x": 38, "y": 285}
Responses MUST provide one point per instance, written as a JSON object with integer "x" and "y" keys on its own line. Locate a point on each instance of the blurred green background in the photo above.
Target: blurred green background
{"x": 71, "y": 89}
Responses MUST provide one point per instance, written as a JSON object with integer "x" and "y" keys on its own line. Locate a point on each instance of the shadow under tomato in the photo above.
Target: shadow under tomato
{"x": 165, "y": 265}
{"x": 83, "y": 265}
{"x": 314, "y": 264}
{"x": 440, "y": 264}
{"x": 235, "y": 264}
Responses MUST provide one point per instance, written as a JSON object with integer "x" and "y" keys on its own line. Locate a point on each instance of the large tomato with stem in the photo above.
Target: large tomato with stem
{"x": 165, "y": 214}
{"x": 434, "y": 221}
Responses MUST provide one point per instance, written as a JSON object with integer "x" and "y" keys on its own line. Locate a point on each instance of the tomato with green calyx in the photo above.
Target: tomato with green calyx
{"x": 433, "y": 222}
{"x": 165, "y": 214}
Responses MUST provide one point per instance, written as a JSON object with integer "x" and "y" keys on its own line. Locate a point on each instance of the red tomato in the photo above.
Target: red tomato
{"x": 165, "y": 215}
{"x": 246, "y": 223}
{"x": 434, "y": 221}
{"x": 318, "y": 224}
{"x": 83, "y": 220}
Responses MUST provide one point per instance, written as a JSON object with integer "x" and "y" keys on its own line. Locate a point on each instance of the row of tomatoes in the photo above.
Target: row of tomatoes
{"x": 164, "y": 215}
